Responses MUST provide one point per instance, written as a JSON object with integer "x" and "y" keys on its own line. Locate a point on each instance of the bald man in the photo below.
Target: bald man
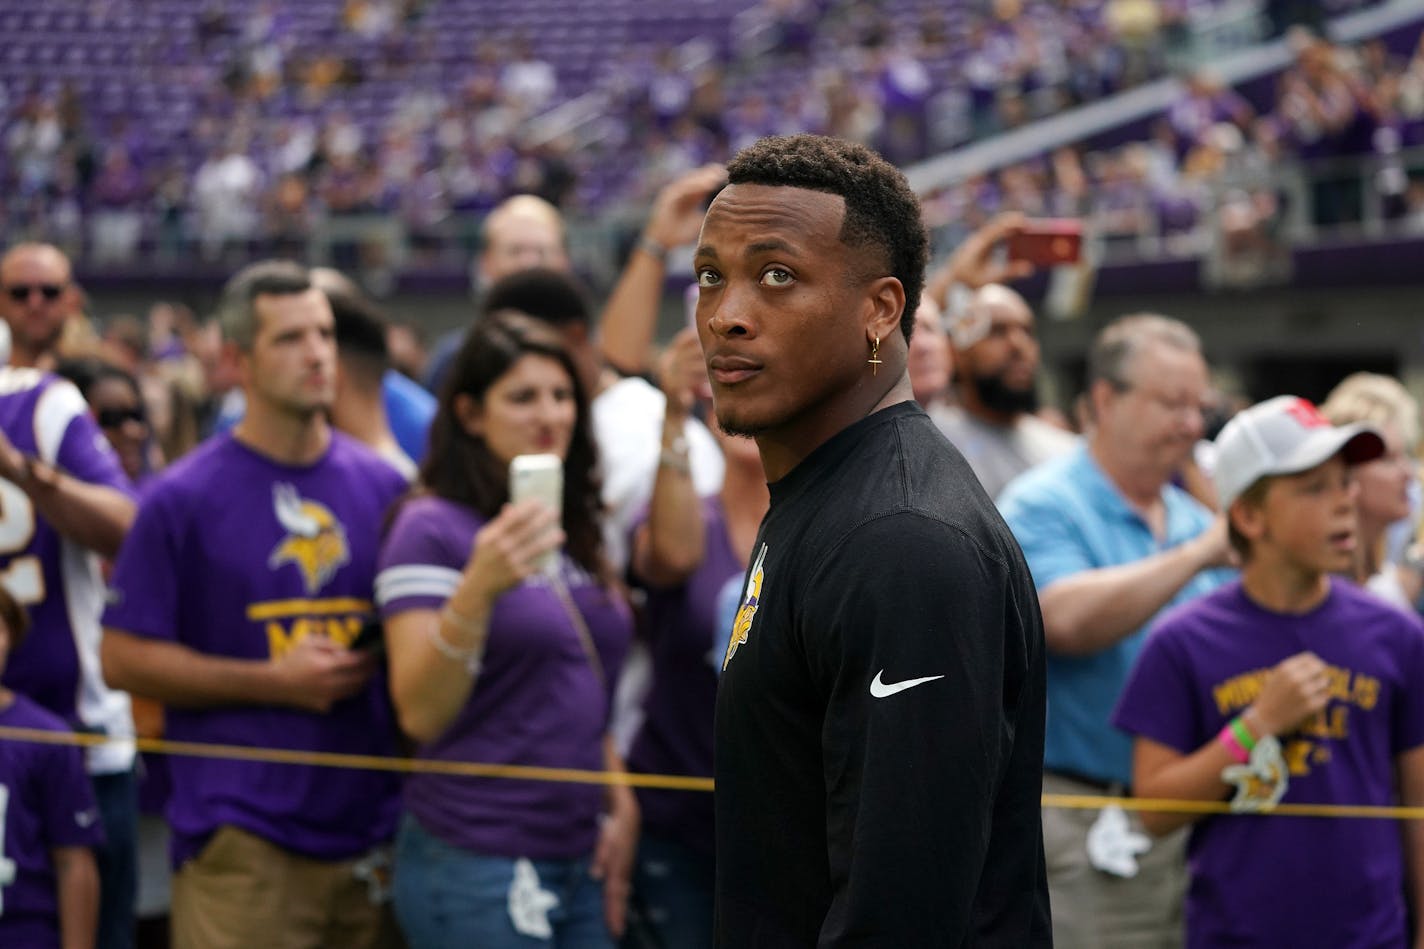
{"x": 37, "y": 296}
{"x": 521, "y": 233}
{"x": 996, "y": 362}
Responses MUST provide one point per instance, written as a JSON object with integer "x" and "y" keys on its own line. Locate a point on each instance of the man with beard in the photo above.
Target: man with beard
{"x": 996, "y": 360}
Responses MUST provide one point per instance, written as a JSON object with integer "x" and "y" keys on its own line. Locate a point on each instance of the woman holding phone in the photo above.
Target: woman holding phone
{"x": 496, "y": 658}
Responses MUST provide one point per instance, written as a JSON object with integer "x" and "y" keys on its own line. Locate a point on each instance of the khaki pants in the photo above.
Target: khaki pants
{"x": 1096, "y": 910}
{"x": 242, "y": 892}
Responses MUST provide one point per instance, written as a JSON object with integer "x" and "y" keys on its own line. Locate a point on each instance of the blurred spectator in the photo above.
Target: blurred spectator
{"x": 931, "y": 360}
{"x": 523, "y": 232}
{"x": 1388, "y": 485}
{"x": 62, "y": 485}
{"x": 118, "y": 408}
{"x": 225, "y": 196}
{"x": 1111, "y": 543}
{"x": 119, "y": 193}
{"x": 50, "y": 820}
{"x": 249, "y": 644}
{"x": 37, "y": 296}
{"x": 996, "y": 360}
{"x": 462, "y": 593}
{"x": 362, "y": 359}
{"x": 1287, "y": 687}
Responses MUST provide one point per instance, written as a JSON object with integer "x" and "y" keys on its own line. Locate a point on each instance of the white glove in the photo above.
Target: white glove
{"x": 1113, "y": 846}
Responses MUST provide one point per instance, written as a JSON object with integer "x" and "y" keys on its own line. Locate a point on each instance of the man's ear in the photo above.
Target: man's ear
{"x": 234, "y": 362}
{"x": 1100, "y": 395}
{"x": 886, "y": 301}
{"x": 470, "y": 414}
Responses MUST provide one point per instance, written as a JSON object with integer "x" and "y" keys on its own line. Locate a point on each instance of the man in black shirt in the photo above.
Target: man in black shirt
{"x": 880, "y": 715}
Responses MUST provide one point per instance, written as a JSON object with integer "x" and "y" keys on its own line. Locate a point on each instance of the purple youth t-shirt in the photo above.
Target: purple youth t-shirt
{"x": 676, "y": 736}
{"x": 238, "y": 556}
{"x": 1291, "y": 881}
{"x": 538, "y": 700}
{"x": 46, "y": 801}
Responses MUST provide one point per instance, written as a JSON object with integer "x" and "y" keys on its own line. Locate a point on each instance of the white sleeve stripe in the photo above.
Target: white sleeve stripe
{"x": 426, "y": 587}
{"x": 399, "y": 582}
{"x": 418, "y": 571}
{"x": 56, "y": 408}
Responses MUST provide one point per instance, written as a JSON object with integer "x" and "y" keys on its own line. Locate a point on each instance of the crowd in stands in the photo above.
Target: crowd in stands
{"x": 279, "y": 585}
{"x": 1212, "y": 164}
{"x": 236, "y": 126}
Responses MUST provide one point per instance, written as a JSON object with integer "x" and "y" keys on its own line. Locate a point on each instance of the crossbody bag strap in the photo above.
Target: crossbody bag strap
{"x": 561, "y": 590}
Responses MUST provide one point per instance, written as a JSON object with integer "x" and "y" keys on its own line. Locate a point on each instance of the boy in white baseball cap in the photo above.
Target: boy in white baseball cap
{"x": 1289, "y": 684}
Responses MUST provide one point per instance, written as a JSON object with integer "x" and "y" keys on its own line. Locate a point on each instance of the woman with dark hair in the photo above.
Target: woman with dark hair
{"x": 116, "y": 400}
{"x": 494, "y": 658}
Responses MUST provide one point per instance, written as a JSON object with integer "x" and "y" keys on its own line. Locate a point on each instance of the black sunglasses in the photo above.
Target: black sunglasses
{"x": 20, "y": 292}
{"x": 113, "y": 418}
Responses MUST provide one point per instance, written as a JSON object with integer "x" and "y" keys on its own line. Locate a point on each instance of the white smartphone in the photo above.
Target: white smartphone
{"x": 541, "y": 477}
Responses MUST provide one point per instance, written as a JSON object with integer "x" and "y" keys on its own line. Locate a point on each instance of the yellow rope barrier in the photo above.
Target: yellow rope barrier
{"x": 326, "y": 759}
{"x": 673, "y": 782}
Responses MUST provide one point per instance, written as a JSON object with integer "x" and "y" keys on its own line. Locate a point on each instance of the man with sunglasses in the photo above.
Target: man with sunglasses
{"x": 37, "y": 295}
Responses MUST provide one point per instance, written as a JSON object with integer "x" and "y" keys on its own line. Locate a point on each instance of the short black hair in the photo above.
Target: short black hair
{"x": 553, "y": 296}
{"x": 86, "y": 372}
{"x": 881, "y": 210}
{"x": 360, "y": 328}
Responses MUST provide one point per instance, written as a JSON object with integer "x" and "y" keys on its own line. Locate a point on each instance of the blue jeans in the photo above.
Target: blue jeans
{"x": 117, "y": 797}
{"x": 672, "y": 896}
{"x": 446, "y": 896}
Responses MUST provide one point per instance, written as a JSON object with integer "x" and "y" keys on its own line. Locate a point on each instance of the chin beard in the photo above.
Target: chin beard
{"x": 738, "y": 427}
{"x": 997, "y": 397}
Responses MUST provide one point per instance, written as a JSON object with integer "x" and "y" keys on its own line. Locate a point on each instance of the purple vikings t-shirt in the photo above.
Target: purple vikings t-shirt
{"x": 46, "y": 801}
{"x": 538, "y": 700}
{"x": 676, "y": 737}
{"x": 58, "y": 581}
{"x": 1291, "y": 881}
{"x": 238, "y": 556}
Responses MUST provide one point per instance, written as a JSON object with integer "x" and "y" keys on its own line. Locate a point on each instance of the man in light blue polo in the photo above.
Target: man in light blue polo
{"x": 1111, "y": 542}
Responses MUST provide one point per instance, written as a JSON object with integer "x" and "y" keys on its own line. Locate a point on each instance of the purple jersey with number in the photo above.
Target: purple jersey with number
{"x": 539, "y": 698}
{"x": 56, "y": 580}
{"x": 676, "y": 734}
{"x": 1291, "y": 881}
{"x": 235, "y": 555}
{"x": 46, "y": 801}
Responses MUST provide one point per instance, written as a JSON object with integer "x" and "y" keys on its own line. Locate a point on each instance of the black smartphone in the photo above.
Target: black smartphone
{"x": 371, "y": 637}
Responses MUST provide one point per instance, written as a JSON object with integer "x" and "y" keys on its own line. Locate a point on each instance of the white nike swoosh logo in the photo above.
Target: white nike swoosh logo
{"x": 881, "y": 689}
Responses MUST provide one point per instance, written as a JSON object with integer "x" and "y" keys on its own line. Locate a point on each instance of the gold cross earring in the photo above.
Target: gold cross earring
{"x": 875, "y": 360}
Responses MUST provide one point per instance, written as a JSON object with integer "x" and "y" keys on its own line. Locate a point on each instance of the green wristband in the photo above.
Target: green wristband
{"x": 1243, "y": 734}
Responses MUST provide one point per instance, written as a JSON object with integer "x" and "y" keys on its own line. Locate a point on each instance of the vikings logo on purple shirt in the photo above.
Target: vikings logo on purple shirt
{"x": 315, "y": 541}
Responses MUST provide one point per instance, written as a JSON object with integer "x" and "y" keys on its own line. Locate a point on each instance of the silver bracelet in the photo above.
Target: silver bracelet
{"x": 469, "y": 657}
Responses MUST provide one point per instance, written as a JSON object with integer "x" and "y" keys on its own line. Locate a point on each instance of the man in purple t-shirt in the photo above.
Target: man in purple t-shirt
{"x": 1292, "y": 686}
{"x": 247, "y": 576}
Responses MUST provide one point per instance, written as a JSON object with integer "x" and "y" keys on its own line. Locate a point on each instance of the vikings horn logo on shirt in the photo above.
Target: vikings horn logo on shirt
{"x": 743, "y": 623}
{"x": 315, "y": 541}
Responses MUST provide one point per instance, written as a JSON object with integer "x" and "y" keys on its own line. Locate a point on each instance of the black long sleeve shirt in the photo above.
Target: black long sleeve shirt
{"x": 857, "y": 806}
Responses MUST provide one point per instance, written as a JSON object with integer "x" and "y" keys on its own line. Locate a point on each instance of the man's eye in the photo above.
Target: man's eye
{"x": 708, "y": 278}
{"x": 776, "y": 277}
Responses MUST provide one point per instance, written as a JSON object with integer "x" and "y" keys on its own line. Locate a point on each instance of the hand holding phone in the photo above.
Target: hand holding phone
{"x": 540, "y": 477}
